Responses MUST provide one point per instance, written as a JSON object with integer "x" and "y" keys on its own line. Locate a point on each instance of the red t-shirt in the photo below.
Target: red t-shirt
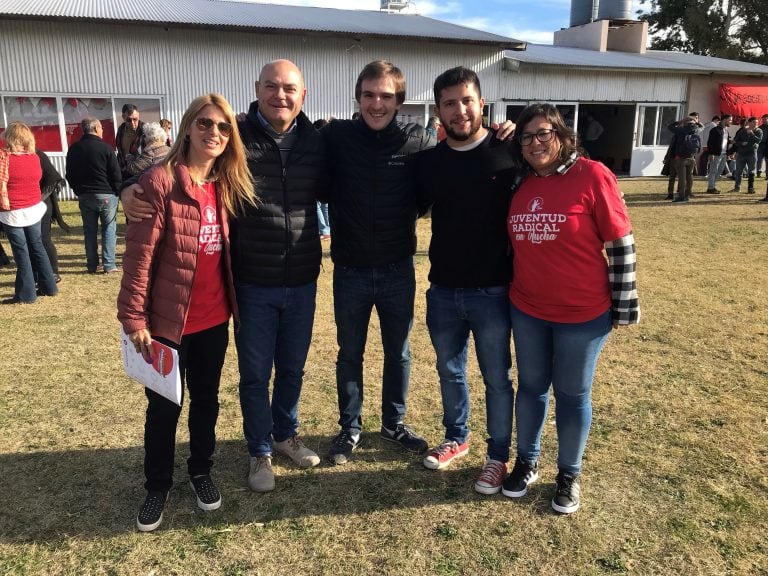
{"x": 208, "y": 305}
{"x": 558, "y": 225}
{"x": 24, "y": 174}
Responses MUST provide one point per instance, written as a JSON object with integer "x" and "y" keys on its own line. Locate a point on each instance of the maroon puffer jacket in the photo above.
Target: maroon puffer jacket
{"x": 161, "y": 257}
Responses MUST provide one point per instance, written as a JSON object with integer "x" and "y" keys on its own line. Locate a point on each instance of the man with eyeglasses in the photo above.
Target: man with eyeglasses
{"x": 129, "y": 138}
{"x": 276, "y": 255}
{"x": 467, "y": 180}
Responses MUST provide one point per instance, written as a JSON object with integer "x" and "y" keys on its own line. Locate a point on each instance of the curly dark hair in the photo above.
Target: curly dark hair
{"x": 551, "y": 114}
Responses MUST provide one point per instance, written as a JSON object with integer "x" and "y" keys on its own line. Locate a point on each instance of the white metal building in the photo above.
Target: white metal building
{"x": 62, "y": 61}
{"x": 633, "y": 95}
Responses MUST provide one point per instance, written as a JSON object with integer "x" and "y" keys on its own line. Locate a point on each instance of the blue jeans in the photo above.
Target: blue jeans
{"x": 563, "y": 356}
{"x": 275, "y": 329}
{"x": 323, "y": 221}
{"x": 715, "y": 169}
{"x": 95, "y": 208}
{"x": 30, "y": 256}
{"x": 391, "y": 289}
{"x": 749, "y": 163}
{"x": 451, "y": 315}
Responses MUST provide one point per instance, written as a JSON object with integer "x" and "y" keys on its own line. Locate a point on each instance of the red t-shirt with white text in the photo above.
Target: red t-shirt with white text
{"x": 208, "y": 305}
{"x": 558, "y": 226}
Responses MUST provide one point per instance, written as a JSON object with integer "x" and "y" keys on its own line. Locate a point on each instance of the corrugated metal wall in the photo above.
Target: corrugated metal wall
{"x": 96, "y": 59}
{"x": 550, "y": 84}
{"x": 180, "y": 64}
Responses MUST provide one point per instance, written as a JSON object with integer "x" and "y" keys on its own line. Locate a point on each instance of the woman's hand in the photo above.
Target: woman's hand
{"x": 142, "y": 341}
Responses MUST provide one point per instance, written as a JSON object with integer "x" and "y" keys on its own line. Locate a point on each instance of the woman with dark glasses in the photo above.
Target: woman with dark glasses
{"x": 565, "y": 217}
{"x": 177, "y": 289}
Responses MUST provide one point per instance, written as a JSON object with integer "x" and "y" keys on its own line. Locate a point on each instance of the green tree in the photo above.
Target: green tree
{"x": 735, "y": 29}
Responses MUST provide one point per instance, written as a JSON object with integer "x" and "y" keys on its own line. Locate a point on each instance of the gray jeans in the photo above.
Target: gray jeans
{"x": 684, "y": 167}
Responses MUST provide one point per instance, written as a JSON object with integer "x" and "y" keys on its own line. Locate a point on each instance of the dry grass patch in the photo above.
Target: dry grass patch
{"x": 674, "y": 477}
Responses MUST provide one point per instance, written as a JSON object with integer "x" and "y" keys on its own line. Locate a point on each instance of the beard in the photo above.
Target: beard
{"x": 475, "y": 124}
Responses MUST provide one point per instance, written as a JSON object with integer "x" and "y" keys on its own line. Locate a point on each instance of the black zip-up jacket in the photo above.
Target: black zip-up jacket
{"x": 715, "y": 141}
{"x": 277, "y": 242}
{"x": 92, "y": 167}
{"x": 373, "y": 203}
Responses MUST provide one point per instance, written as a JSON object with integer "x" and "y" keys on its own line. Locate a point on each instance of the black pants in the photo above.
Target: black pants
{"x": 45, "y": 232}
{"x": 201, "y": 358}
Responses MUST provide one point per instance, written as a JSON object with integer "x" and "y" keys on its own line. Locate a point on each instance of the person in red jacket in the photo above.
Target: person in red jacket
{"x": 177, "y": 288}
{"x": 21, "y": 211}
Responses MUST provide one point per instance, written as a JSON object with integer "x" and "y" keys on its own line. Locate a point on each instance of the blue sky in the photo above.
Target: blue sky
{"x": 529, "y": 20}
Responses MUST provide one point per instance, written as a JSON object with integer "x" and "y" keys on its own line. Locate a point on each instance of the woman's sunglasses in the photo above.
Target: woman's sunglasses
{"x": 203, "y": 124}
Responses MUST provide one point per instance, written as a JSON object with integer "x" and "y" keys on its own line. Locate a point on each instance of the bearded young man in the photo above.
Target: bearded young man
{"x": 467, "y": 181}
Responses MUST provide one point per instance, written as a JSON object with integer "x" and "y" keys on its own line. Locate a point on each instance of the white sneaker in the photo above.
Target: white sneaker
{"x": 260, "y": 477}
{"x": 295, "y": 449}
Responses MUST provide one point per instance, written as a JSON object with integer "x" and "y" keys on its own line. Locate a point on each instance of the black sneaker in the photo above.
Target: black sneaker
{"x": 341, "y": 447}
{"x": 567, "y": 493}
{"x": 151, "y": 512}
{"x": 208, "y": 496}
{"x": 523, "y": 475}
{"x": 406, "y": 437}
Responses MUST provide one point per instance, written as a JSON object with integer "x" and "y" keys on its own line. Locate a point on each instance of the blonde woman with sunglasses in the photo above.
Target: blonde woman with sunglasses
{"x": 177, "y": 288}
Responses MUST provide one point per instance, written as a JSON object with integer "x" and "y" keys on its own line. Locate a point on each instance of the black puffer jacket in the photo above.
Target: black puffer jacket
{"x": 277, "y": 242}
{"x": 372, "y": 204}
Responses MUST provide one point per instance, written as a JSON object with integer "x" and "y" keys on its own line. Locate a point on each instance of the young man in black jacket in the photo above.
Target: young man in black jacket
{"x": 373, "y": 210}
{"x": 718, "y": 143}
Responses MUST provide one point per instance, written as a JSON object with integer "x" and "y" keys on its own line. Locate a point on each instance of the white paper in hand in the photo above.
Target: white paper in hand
{"x": 161, "y": 376}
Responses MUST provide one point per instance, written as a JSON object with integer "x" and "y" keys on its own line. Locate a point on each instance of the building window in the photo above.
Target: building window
{"x": 513, "y": 111}
{"x": 41, "y": 114}
{"x": 652, "y": 121}
{"x": 76, "y": 109}
{"x": 55, "y": 120}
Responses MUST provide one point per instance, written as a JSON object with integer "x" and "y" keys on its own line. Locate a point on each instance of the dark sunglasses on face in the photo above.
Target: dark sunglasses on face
{"x": 203, "y": 124}
{"x": 526, "y": 138}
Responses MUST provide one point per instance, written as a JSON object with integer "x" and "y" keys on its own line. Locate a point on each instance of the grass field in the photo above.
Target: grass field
{"x": 674, "y": 476}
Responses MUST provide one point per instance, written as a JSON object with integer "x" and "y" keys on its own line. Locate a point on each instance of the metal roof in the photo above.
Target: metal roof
{"x": 249, "y": 16}
{"x": 652, "y": 60}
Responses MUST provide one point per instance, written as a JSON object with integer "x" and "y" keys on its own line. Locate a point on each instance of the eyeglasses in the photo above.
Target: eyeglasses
{"x": 203, "y": 124}
{"x": 526, "y": 138}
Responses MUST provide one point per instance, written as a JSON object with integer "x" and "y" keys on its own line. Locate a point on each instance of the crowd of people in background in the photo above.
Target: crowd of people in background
{"x": 710, "y": 149}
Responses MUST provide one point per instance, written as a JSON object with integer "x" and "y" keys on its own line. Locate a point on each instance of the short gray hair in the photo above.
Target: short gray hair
{"x": 89, "y": 125}
{"x": 153, "y": 131}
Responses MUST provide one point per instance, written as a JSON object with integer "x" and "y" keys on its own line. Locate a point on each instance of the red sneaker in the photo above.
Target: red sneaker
{"x": 440, "y": 457}
{"x": 491, "y": 477}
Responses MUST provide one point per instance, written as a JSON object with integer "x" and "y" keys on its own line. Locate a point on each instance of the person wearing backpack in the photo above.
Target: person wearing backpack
{"x": 687, "y": 146}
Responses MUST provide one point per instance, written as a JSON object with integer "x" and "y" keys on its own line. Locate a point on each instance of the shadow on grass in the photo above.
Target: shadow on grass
{"x": 89, "y": 493}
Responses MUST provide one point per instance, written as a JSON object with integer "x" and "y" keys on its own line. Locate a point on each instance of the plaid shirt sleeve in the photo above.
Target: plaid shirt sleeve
{"x": 622, "y": 266}
{"x": 5, "y": 203}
